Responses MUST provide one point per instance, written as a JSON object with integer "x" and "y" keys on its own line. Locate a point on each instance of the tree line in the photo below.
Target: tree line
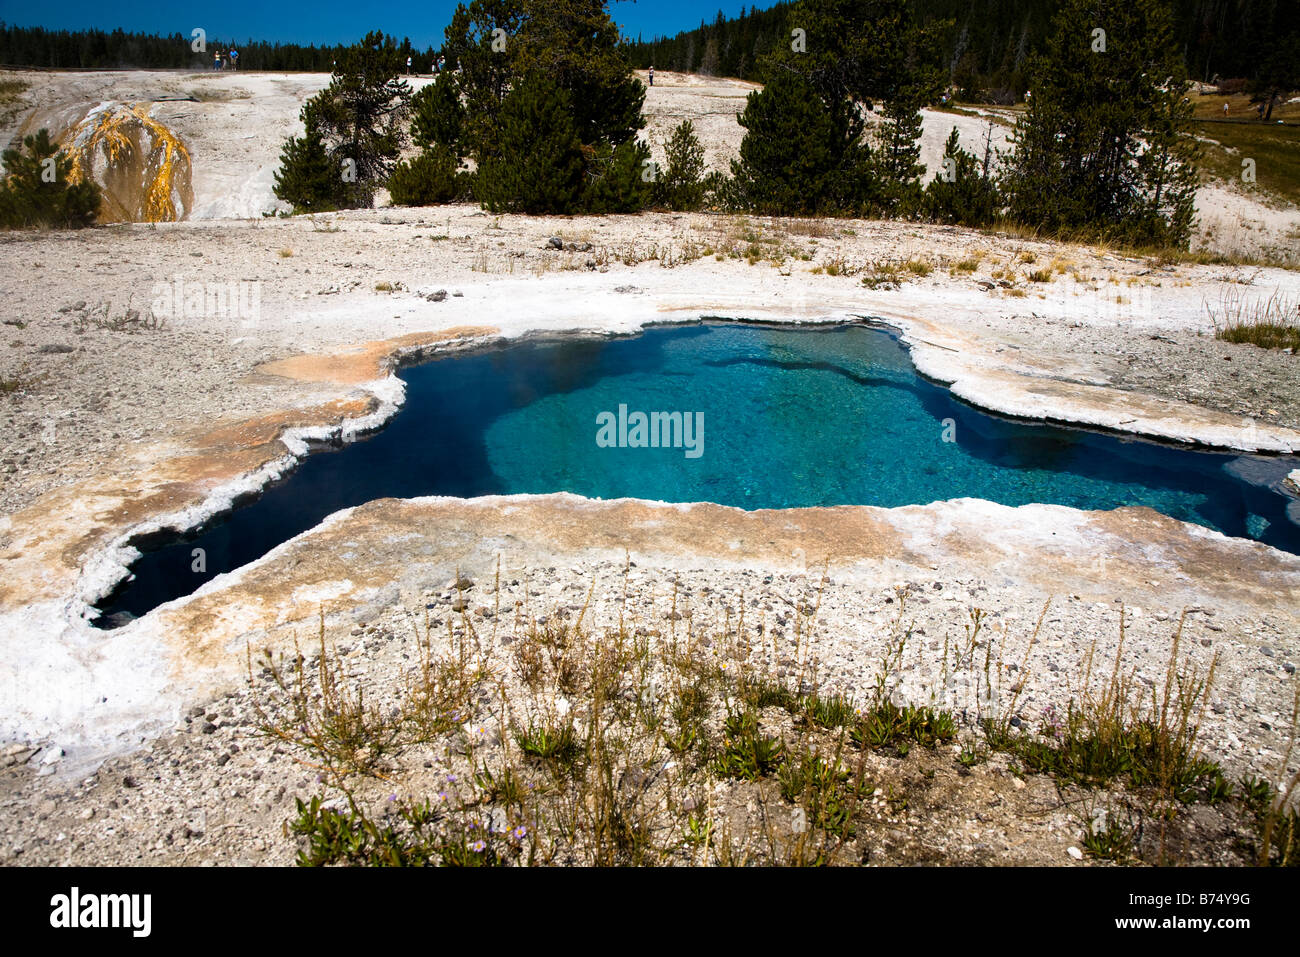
{"x": 539, "y": 112}
{"x": 986, "y": 49}
{"x": 119, "y": 49}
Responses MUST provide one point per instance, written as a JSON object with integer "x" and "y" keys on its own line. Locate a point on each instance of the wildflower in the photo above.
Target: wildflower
{"x": 477, "y": 847}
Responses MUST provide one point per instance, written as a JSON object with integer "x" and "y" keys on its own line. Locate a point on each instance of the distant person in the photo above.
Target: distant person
{"x": 216, "y": 59}
{"x": 234, "y": 59}
{"x": 652, "y": 74}
{"x": 1225, "y": 109}
{"x": 408, "y": 66}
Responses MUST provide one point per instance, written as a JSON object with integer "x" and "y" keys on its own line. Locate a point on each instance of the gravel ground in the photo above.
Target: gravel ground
{"x": 217, "y": 790}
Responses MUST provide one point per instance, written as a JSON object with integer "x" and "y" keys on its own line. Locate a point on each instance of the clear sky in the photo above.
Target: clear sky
{"x": 327, "y": 21}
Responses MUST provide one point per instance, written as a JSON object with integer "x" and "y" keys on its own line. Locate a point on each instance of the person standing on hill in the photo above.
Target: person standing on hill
{"x": 652, "y": 74}
{"x": 234, "y": 59}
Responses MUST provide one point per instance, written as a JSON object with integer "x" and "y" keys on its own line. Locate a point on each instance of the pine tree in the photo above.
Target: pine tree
{"x": 575, "y": 46}
{"x": 620, "y": 182}
{"x": 437, "y": 115}
{"x": 429, "y": 179}
{"x": 308, "y": 178}
{"x": 800, "y": 155}
{"x": 1105, "y": 146}
{"x": 38, "y": 189}
{"x": 681, "y": 183}
{"x": 897, "y": 158}
{"x": 1278, "y": 72}
{"x": 963, "y": 193}
{"x": 361, "y": 115}
{"x": 539, "y": 168}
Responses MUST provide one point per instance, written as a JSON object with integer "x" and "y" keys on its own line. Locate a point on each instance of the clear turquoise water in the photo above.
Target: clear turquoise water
{"x": 791, "y": 417}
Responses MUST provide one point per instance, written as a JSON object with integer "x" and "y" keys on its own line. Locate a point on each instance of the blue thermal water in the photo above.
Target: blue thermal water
{"x": 780, "y": 417}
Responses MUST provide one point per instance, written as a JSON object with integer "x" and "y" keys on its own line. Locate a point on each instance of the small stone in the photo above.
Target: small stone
{"x": 555, "y": 242}
{"x": 1075, "y": 853}
{"x": 222, "y": 759}
{"x": 54, "y": 349}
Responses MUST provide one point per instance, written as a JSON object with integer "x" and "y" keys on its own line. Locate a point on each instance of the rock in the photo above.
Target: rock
{"x": 438, "y": 295}
{"x": 52, "y": 756}
{"x": 555, "y": 242}
{"x": 1075, "y": 853}
{"x": 55, "y": 349}
{"x": 221, "y": 761}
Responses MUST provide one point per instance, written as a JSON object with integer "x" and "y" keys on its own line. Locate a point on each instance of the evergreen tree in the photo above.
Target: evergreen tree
{"x": 800, "y": 155}
{"x": 1278, "y": 72}
{"x": 1105, "y": 147}
{"x": 681, "y": 183}
{"x": 437, "y": 115}
{"x": 308, "y": 178}
{"x": 37, "y": 187}
{"x": 540, "y": 164}
{"x": 898, "y": 158}
{"x": 361, "y": 115}
{"x": 429, "y": 179}
{"x": 620, "y": 182}
{"x": 575, "y": 46}
{"x": 963, "y": 193}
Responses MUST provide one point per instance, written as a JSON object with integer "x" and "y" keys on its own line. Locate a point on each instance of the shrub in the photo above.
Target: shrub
{"x": 428, "y": 179}
{"x": 539, "y": 164}
{"x": 38, "y": 189}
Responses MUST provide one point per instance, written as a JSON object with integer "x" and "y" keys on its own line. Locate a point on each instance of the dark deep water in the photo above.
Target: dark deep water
{"x": 791, "y": 417}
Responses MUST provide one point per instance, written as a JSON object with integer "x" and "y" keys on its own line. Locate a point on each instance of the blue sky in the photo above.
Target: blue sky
{"x": 327, "y": 21}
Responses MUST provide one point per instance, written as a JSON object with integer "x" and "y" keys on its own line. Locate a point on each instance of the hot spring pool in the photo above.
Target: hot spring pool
{"x": 743, "y": 415}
